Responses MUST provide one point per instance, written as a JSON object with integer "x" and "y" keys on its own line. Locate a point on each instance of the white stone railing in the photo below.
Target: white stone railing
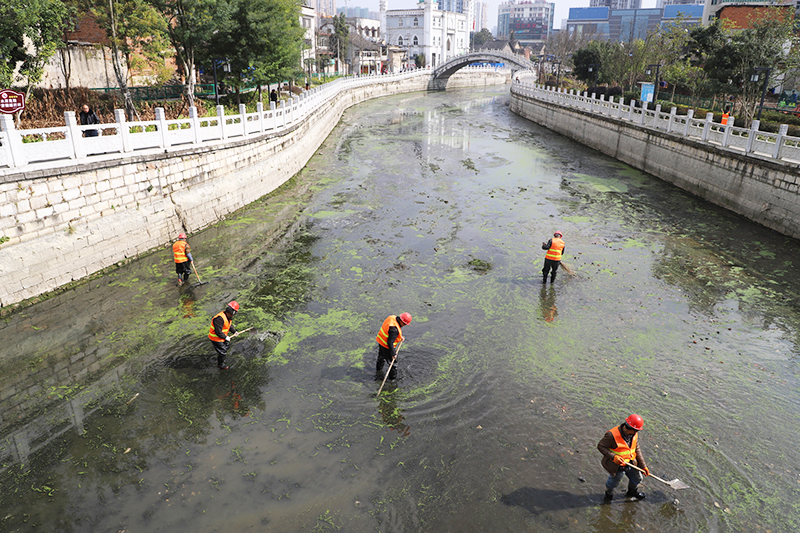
{"x": 43, "y": 148}
{"x": 779, "y": 146}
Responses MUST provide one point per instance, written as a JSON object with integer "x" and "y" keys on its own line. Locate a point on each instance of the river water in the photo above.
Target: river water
{"x": 437, "y": 205}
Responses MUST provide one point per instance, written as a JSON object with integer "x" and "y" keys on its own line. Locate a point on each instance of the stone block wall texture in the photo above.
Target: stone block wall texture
{"x": 760, "y": 189}
{"x": 62, "y": 222}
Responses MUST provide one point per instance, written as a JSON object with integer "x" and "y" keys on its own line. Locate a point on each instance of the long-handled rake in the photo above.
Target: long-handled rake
{"x": 676, "y": 484}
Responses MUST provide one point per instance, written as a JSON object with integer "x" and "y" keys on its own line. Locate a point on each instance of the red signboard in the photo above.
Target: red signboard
{"x": 11, "y": 101}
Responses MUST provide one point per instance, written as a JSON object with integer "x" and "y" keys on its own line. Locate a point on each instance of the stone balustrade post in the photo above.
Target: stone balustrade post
{"x": 707, "y": 126}
{"x": 689, "y": 117}
{"x": 260, "y": 111}
{"x": 221, "y": 122}
{"x": 243, "y": 115}
{"x": 656, "y": 116}
{"x": 726, "y": 133}
{"x": 15, "y": 147}
{"x": 782, "y": 131}
{"x": 672, "y": 112}
{"x": 163, "y": 128}
{"x": 751, "y": 136}
{"x": 123, "y": 130}
{"x": 75, "y": 135}
{"x": 631, "y": 107}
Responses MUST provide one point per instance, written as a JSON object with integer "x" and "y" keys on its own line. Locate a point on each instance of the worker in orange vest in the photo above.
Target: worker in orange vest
{"x": 182, "y": 253}
{"x": 555, "y": 249}
{"x": 389, "y": 338}
{"x": 620, "y": 447}
{"x": 220, "y": 332}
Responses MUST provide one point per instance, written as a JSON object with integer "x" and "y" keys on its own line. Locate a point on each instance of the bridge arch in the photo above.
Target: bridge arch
{"x": 443, "y": 72}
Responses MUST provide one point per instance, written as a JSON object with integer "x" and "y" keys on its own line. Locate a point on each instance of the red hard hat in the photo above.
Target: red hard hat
{"x": 406, "y": 318}
{"x": 233, "y": 305}
{"x": 182, "y": 236}
{"x": 635, "y": 422}
{"x": 558, "y": 234}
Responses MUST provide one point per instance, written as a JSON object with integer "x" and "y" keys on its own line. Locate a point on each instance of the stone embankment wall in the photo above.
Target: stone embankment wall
{"x": 80, "y": 218}
{"x": 763, "y": 189}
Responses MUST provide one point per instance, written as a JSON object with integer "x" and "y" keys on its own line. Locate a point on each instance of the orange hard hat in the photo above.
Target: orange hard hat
{"x": 558, "y": 234}
{"x": 233, "y": 306}
{"x": 182, "y": 236}
{"x": 635, "y": 422}
{"x": 406, "y": 318}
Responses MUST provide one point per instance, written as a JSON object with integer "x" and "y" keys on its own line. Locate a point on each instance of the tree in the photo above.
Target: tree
{"x": 585, "y": 57}
{"x": 190, "y": 25}
{"x": 263, "y": 41}
{"x": 131, "y": 26}
{"x": 564, "y": 44}
{"x": 31, "y": 32}
{"x": 730, "y": 58}
{"x": 481, "y": 38}
{"x": 339, "y": 41}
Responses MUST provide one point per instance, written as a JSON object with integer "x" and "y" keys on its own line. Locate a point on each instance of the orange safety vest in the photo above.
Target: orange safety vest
{"x": 627, "y": 453}
{"x": 179, "y": 250}
{"x": 556, "y": 246}
{"x": 725, "y": 118}
{"x": 383, "y": 334}
{"x": 212, "y": 335}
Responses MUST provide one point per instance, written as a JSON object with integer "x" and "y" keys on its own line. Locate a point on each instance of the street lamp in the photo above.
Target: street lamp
{"x": 226, "y": 67}
{"x": 755, "y": 78}
{"x": 594, "y": 67}
{"x": 648, "y": 72}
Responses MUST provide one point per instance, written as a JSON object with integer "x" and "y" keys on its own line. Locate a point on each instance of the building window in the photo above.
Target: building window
{"x": 400, "y": 41}
{"x": 416, "y": 21}
{"x": 448, "y": 45}
{"x": 400, "y": 22}
{"x": 416, "y": 41}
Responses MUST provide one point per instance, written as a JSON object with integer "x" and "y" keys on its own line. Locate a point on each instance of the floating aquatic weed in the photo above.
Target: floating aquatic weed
{"x": 479, "y": 265}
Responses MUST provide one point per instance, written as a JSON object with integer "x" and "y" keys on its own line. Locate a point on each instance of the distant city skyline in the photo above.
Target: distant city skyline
{"x": 561, "y": 13}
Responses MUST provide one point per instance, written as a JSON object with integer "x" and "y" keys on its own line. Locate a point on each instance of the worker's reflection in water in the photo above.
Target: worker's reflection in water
{"x": 390, "y": 412}
{"x": 547, "y": 303}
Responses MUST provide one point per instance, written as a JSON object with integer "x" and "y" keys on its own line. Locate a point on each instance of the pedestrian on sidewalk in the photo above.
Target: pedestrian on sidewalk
{"x": 620, "y": 447}
{"x": 182, "y": 254}
{"x": 88, "y": 116}
{"x": 555, "y": 249}
{"x": 389, "y": 338}
{"x": 220, "y": 332}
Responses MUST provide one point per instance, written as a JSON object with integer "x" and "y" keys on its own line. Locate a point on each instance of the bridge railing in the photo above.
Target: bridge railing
{"x": 40, "y": 148}
{"x": 778, "y": 146}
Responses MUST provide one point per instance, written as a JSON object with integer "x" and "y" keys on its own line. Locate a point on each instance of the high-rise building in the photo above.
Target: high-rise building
{"x": 530, "y": 20}
{"x": 481, "y": 15}
{"x": 616, "y": 4}
{"x": 662, "y": 3}
{"x": 354, "y": 12}
{"x": 326, "y": 8}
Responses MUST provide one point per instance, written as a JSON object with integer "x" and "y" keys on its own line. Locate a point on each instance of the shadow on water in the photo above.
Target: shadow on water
{"x": 537, "y": 501}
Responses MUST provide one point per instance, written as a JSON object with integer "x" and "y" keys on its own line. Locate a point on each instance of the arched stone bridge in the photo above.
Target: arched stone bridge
{"x": 443, "y": 72}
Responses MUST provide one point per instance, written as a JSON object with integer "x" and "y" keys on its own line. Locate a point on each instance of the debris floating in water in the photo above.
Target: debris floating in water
{"x": 134, "y": 397}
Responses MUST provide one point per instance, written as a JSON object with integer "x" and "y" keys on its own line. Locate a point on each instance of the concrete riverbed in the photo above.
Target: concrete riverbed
{"x": 115, "y": 417}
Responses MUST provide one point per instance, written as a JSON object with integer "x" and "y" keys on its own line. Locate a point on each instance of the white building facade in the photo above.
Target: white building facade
{"x": 308, "y": 21}
{"x": 427, "y": 31}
